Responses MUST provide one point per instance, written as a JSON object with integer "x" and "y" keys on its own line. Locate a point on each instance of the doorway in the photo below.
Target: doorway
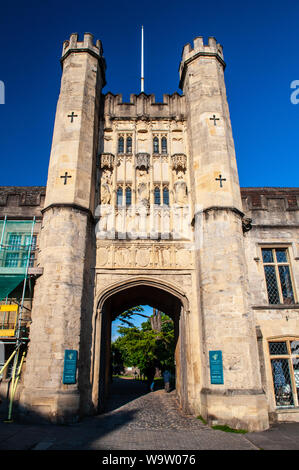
{"x": 121, "y": 297}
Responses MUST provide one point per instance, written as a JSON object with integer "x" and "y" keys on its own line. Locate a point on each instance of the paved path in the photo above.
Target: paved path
{"x": 137, "y": 420}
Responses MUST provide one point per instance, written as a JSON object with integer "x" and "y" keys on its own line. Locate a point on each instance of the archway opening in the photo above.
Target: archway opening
{"x": 123, "y": 298}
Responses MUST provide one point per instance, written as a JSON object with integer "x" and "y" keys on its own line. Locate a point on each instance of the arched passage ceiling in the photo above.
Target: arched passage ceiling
{"x": 143, "y": 295}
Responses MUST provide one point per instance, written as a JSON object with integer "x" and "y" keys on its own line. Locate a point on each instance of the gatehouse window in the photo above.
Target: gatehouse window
{"x": 164, "y": 145}
{"x": 128, "y": 196}
{"x": 156, "y": 145}
{"x": 157, "y": 196}
{"x": 278, "y": 275}
{"x": 284, "y": 357}
{"x": 129, "y": 145}
{"x": 166, "y": 196}
{"x": 121, "y": 147}
{"x": 119, "y": 197}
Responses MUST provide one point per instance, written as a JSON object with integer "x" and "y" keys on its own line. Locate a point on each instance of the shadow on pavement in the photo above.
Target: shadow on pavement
{"x": 124, "y": 390}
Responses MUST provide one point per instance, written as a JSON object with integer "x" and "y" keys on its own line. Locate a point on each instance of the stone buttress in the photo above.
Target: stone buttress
{"x": 227, "y": 324}
{"x": 66, "y": 236}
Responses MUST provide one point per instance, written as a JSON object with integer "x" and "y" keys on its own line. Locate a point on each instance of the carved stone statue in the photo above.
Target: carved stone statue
{"x": 180, "y": 191}
{"x": 142, "y": 160}
{"x": 106, "y": 188}
{"x": 105, "y": 193}
{"x": 143, "y": 191}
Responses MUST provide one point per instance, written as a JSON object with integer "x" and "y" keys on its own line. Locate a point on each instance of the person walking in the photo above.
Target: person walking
{"x": 166, "y": 377}
{"x": 150, "y": 374}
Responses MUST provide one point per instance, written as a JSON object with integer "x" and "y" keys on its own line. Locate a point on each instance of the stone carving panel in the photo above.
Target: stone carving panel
{"x": 144, "y": 255}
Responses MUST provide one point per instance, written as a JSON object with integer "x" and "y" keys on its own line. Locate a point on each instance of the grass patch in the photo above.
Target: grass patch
{"x": 226, "y": 428}
{"x": 202, "y": 419}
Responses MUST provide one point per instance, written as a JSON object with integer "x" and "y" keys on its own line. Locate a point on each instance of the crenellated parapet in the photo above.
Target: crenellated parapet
{"x": 87, "y": 43}
{"x": 144, "y": 107}
{"x": 72, "y": 45}
{"x": 199, "y": 49}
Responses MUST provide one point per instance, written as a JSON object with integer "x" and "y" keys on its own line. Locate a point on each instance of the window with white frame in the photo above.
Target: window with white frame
{"x": 278, "y": 275}
{"x": 17, "y": 250}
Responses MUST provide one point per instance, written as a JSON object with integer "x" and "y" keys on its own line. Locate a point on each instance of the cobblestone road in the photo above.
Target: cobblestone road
{"x": 135, "y": 419}
{"x": 156, "y": 410}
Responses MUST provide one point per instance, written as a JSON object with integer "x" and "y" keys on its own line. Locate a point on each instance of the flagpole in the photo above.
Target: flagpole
{"x": 142, "y": 62}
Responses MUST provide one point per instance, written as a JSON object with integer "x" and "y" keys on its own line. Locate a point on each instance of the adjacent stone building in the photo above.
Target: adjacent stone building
{"x": 143, "y": 206}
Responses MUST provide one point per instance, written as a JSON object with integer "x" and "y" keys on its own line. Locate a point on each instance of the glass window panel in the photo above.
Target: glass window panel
{"x": 32, "y": 259}
{"x": 128, "y": 196}
{"x": 28, "y": 239}
{"x": 157, "y": 198}
{"x": 267, "y": 255}
{"x": 281, "y": 255}
{"x": 271, "y": 282}
{"x": 14, "y": 241}
{"x": 156, "y": 145}
{"x": 295, "y": 346}
{"x": 166, "y": 196}
{"x": 164, "y": 145}
{"x": 286, "y": 284}
{"x": 282, "y": 382}
{"x": 25, "y": 258}
{"x": 295, "y": 361}
{"x": 279, "y": 347}
{"x": 11, "y": 260}
{"x": 121, "y": 145}
{"x": 119, "y": 197}
{"x": 129, "y": 145}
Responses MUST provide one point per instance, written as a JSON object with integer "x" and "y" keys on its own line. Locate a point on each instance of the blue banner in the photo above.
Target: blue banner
{"x": 70, "y": 366}
{"x": 216, "y": 367}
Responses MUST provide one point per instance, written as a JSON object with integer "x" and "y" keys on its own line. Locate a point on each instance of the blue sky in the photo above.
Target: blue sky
{"x": 136, "y": 319}
{"x": 260, "y": 40}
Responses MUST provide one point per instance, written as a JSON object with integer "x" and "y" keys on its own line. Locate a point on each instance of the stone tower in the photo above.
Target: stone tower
{"x": 143, "y": 206}
{"x": 65, "y": 288}
{"x": 227, "y": 324}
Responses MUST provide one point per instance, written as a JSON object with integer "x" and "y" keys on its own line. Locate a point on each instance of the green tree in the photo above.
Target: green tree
{"x": 144, "y": 346}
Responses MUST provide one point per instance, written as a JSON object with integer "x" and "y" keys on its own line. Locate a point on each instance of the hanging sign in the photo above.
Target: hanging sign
{"x": 216, "y": 367}
{"x": 70, "y": 366}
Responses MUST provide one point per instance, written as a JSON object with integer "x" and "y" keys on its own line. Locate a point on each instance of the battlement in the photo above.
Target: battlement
{"x": 212, "y": 49}
{"x": 198, "y": 46}
{"x": 145, "y": 106}
{"x": 73, "y": 45}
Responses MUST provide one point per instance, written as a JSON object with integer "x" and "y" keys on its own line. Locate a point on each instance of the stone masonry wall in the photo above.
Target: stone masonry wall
{"x": 275, "y": 223}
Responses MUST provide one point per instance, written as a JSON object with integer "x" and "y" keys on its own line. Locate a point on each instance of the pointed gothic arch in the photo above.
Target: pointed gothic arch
{"x": 122, "y": 295}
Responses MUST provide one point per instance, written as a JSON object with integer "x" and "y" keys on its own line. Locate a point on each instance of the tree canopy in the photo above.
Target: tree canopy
{"x": 151, "y": 344}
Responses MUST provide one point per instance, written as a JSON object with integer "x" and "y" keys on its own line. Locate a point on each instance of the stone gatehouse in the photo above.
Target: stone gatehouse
{"x": 143, "y": 206}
